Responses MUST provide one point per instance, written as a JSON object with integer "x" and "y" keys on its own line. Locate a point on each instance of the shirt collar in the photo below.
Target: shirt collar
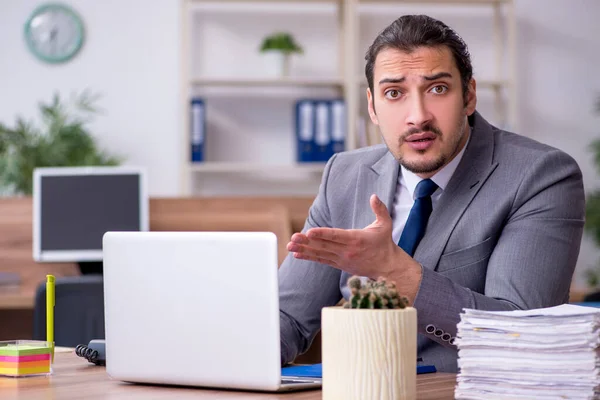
{"x": 441, "y": 178}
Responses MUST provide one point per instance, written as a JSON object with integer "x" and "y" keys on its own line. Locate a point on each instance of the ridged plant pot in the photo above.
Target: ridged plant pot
{"x": 276, "y": 64}
{"x": 369, "y": 353}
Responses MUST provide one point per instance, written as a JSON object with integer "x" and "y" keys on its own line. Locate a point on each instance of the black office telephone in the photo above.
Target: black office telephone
{"x": 94, "y": 352}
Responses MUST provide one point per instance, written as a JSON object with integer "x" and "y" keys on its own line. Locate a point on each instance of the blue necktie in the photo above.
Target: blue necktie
{"x": 417, "y": 219}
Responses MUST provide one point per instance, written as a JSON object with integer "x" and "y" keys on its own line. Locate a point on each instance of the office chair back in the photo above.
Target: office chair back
{"x": 78, "y": 312}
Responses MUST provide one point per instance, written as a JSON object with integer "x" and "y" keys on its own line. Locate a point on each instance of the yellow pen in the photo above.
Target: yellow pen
{"x": 50, "y": 312}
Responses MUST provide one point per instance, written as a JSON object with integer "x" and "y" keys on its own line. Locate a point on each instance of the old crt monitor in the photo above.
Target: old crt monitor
{"x": 74, "y": 206}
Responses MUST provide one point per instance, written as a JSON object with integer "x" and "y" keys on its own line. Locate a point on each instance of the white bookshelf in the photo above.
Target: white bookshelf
{"x": 267, "y": 82}
{"x": 349, "y": 30}
{"x": 453, "y": 2}
{"x": 253, "y": 168}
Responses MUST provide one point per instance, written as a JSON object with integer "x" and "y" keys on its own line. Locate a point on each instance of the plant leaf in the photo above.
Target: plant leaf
{"x": 595, "y": 147}
{"x": 64, "y": 140}
{"x": 592, "y": 216}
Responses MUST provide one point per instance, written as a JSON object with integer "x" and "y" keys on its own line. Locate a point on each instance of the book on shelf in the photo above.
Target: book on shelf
{"x": 322, "y": 136}
{"x": 320, "y": 129}
{"x": 197, "y": 129}
{"x": 338, "y": 125}
{"x": 305, "y": 130}
{"x": 320, "y": 126}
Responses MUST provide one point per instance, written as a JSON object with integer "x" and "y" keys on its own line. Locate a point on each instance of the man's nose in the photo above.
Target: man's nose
{"x": 418, "y": 115}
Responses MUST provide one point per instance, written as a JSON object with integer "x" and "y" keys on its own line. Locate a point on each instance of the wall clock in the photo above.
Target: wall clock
{"x": 54, "y": 33}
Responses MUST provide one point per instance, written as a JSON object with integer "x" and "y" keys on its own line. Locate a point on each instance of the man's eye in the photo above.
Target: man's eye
{"x": 392, "y": 94}
{"x": 439, "y": 89}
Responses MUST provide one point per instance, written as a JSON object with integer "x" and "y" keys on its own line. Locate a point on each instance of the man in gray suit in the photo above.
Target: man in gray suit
{"x": 507, "y": 212}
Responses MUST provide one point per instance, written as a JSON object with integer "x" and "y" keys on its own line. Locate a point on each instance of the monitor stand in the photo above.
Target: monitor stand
{"x": 90, "y": 267}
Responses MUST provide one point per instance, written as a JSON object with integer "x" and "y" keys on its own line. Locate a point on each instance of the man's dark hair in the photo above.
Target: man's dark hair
{"x": 409, "y": 32}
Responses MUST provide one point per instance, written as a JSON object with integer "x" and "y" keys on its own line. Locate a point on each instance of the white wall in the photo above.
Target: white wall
{"x": 130, "y": 59}
{"x": 134, "y": 62}
{"x": 559, "y": 84}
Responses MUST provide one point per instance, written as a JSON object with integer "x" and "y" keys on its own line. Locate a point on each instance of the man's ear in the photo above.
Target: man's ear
{"x": 372, "y": 113}
{"x": 471, "y": 98}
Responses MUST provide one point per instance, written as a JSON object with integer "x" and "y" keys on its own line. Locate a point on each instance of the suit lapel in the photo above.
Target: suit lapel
{"x": 470, "y": 175}
{"x": 379, "y": 178}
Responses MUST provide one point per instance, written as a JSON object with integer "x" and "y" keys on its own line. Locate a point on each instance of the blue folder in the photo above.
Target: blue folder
{"x": 315, "y": 370}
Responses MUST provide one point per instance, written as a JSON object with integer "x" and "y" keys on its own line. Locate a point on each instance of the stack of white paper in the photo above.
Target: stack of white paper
{"x": 549, "y": 353}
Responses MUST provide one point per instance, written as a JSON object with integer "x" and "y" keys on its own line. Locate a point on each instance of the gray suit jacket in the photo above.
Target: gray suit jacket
{"x": 505, "y": 234}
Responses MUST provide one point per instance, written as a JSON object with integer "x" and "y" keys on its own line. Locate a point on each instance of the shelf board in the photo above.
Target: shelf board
{"x": 294, "y": 2}
{"x": 359, "y": 1}
{"x": 271, "y": 82}
{"x": 207, "y": 166}
{"x": 492, "y": 83}
{"x": 466, "y": 2}
{"x": 307, "y": 82}
{"x": 483, "y": 83}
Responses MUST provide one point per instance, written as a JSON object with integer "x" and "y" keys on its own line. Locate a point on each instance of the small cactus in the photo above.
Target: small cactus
{"x": 377, "y": 294}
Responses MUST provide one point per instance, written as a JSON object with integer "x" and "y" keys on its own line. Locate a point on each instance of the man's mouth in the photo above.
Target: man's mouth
{"x": 420, "y": 137}
{"x": 420, "y": 141}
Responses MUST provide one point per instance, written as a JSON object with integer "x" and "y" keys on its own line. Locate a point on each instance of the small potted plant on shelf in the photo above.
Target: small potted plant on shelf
{"x": 277, "y": 50}
{"x": 369, "y": 346}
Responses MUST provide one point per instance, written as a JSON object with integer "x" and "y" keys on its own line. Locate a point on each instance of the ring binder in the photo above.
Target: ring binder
{"x": 198, "y": 125}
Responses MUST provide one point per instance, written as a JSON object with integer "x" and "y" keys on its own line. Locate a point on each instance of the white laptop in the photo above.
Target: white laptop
{"x": 194, "y": 309}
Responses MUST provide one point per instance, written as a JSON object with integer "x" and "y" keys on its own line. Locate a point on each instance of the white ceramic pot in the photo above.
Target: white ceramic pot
{"x": 369, "y": 353}
{"x": 276, "y": 64}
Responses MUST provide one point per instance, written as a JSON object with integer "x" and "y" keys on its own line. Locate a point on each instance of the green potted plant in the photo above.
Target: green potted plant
{"x": 592, "y": 221}
{"x": 592, "y": 211}
{"x": 277, "y": 50}
{"x": 62, "y": 141}
{"x": 369, "y": 346}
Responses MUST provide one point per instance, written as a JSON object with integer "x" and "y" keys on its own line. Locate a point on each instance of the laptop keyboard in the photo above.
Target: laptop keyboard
{"x": 297, "y": 380}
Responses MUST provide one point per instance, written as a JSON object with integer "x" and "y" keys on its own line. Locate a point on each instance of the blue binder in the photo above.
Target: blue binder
{"x": 316, "y": 370}
{"x": 322, "y": 130}
{"x": 198, "y": 127}
{"x": 338, "y": 126}
{"x": 305, "y": 130}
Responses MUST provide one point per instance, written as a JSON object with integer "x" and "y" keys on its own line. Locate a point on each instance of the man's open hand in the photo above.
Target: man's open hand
{"x": 366, "y": 252}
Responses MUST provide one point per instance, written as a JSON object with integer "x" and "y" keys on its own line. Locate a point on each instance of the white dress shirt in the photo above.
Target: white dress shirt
{"x": 405, "y": 191}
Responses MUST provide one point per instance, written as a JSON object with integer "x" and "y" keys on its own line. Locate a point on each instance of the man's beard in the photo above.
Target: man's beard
{"x": 425, "y": 167}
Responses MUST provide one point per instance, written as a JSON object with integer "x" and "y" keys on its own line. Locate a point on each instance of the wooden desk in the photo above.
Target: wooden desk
{"x": 75, "y": 378}
{"x": 281, "y": 215}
